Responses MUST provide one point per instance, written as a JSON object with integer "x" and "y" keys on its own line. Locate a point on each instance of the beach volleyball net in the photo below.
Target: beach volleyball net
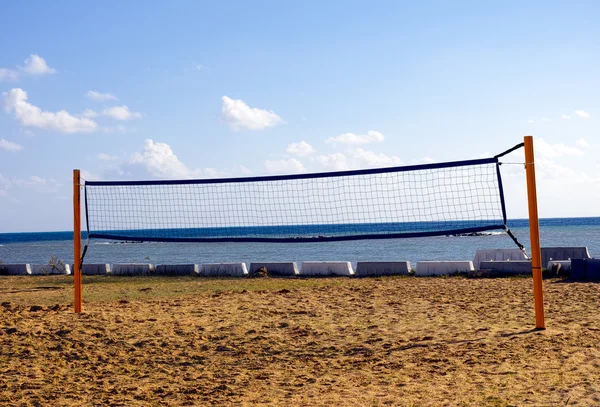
{"x": 409, "y": 201}
{"x": 449, "y": 198}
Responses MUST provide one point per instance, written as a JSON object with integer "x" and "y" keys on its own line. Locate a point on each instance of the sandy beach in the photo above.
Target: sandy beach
{"x": 320, "y": 342}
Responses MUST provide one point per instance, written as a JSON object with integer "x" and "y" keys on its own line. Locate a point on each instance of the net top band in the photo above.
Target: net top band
{"x": 418, "y": 167}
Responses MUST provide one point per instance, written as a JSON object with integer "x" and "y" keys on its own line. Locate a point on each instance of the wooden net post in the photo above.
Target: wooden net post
{"x": 534, "y": 233}
{"x": 77, "y": 240}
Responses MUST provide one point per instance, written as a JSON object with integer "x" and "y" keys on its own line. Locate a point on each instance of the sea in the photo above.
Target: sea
{"x": 40, "y": 247}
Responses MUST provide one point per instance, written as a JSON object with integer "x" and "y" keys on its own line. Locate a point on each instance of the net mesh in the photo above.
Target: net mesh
{"x": 395, "y": 202}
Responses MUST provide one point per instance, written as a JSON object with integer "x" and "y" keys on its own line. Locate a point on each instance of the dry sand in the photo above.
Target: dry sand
{"x": 322, "y": 342}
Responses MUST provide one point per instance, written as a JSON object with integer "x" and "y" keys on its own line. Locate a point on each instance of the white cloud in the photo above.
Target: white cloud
{"x": 15, "y": 101}
{"x": 548, "y": 150}
{"x": 245, "y": 170}
{"x": 90, "y": 114}
{"x": 36, "y": 65}
{"x": 9, "y": 146}
{"x": 565, "y": 117}
{"x": 358, "y": 158}
{"x": 210, "y": 172}
{"x": 33, "y": 180}
{"x": 158, "y": 160}
{"x": 200, "y": 67}
{"x": 530, "y": 121}
{"x": 36, "y": 183}
{"x": 583, "y": 114}
{"x": 8, "y": 75}
{"x": 300, "y": 149}
{"x": 241, "y": 116}
{"x": 549, "y": 169}
{"x": 582, "y": 143}
{"x": 121, "y": 113}
{"x": 89, "y": 176}
{"x": 336, "y": 161}
{"x": 369, "y": 159}
{"x": 99, "y": 97}
{"x": 290, "y": 165}
{"x": 545, "y": 119}
{"x": 106, "y": 157}
{"x": 372, "y": 136}
{"x": 115, "y": 114}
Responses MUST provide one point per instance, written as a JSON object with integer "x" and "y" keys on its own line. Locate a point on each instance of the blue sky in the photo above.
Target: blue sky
{"x": 144, "y": 90}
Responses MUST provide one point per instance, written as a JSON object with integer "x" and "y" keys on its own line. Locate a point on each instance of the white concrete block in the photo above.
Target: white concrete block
{"x": 497, "y": 255}
{"x": 382, "y": 268}
{"x": 177, "y": 270}
{"x": 326, "y": 268}
{"x": 507, "y": 267}
{"x": 93, "y": 269}
{"x": 47, "y": 269}
{"x": 564, "y": 253}
{"x": 442, "y": 268}
{"x": 223, "y": 270}
{"x": 284, "y": 269}
{"x": 15, "y": 269}
{"x": 132, "y": 269}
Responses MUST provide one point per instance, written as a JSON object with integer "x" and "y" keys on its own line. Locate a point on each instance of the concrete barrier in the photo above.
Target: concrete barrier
{"x": 497, "y": 255}
{"x": 592, "y": 269}
{"x": 507, "y": 267}
{"x": 93, "y": 269}
{"x": 223, "y": 270}
{"x": 585, "y": 269}
{"x": 564, "y": 253}
{"x": 15, "y": 269}
{"x": 442, "y": 268}
{"x": 177, "y": 270}
{"x": 50, "y": 269}
{"x": 326, "y": 268}
{"x": 132, "y": 269}
{"x": 281, "y": 269}
{"x": 382, "y": 268}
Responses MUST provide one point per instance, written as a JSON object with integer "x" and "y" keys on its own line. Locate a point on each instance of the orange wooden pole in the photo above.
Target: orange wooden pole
{"x": 77, "y": 240}
{"x": 534, "y": 233}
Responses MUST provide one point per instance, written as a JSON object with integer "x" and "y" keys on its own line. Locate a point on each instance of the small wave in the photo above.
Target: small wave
{"x": 126, "y": 242}
{"x": 477, "y": 234}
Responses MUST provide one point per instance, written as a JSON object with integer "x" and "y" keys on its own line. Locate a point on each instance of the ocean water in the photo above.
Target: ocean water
{"x": 39, "y": 247}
